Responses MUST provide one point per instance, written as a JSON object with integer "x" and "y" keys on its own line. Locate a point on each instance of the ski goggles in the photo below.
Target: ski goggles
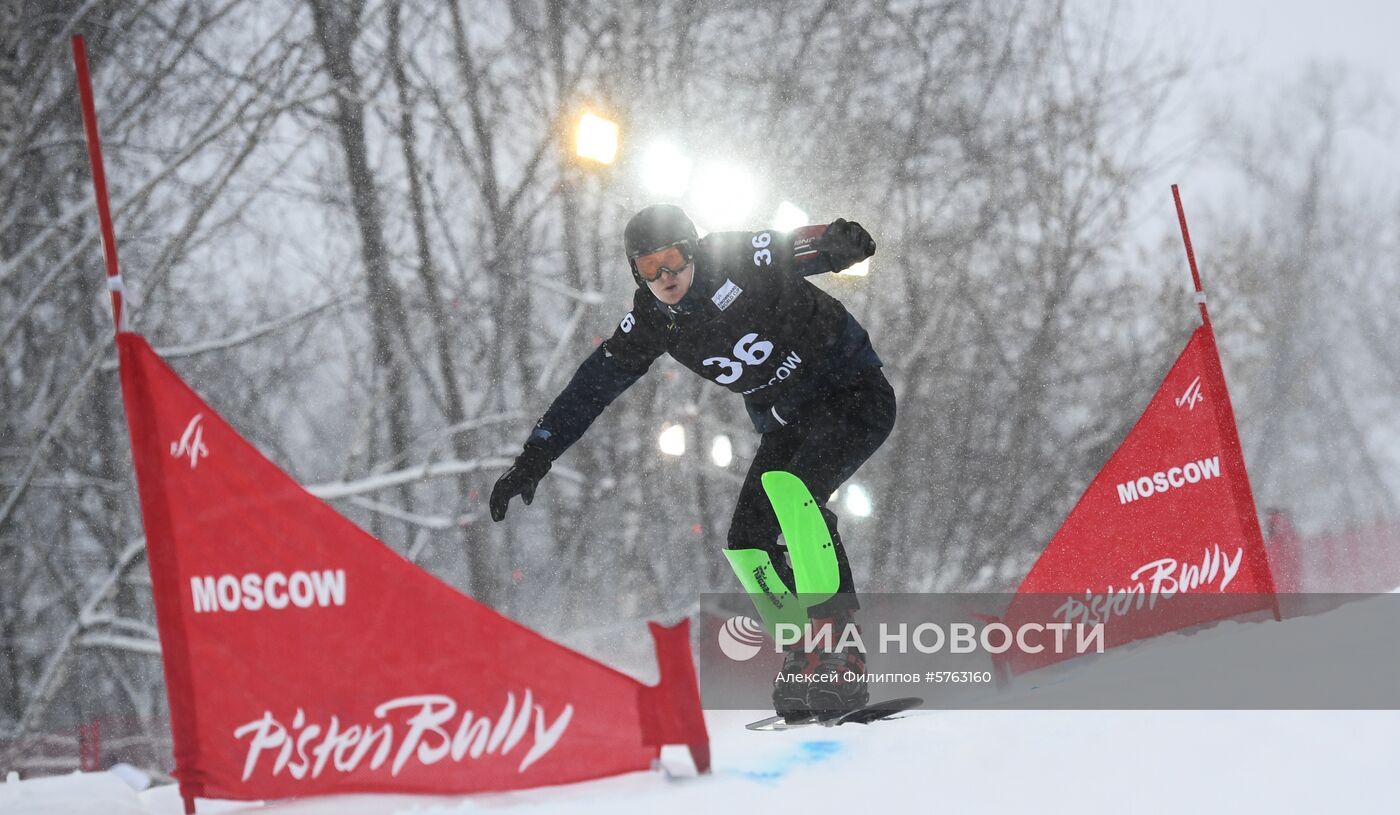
{"x": 651, "y": 266}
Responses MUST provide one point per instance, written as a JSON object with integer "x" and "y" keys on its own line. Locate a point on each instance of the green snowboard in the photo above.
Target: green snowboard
{"x": 810, "y": 550}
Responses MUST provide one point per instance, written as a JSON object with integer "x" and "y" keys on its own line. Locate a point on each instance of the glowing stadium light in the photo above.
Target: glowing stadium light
{"x": 858, "y": 501}
{"x": 672, "y": 440}
{"x": 596, "y": 139}
{"x": 859, "y": 270}
{"x": 721, "y": 451}
{"x": 723, "y": 195}
{"x": 665, "y": 170}
{"x": 789, "y": 216}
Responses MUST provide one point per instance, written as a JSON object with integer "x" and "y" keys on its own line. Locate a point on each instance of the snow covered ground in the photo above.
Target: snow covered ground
{"x": 990, "y": 760}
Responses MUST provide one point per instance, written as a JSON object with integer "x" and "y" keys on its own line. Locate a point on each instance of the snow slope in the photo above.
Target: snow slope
{"x": 1005, "y": 760}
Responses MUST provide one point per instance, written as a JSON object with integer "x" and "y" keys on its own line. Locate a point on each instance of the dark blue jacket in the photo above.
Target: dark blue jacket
{"x": 751, "y": 322}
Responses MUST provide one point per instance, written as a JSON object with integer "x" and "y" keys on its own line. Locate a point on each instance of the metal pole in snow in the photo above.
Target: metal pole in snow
{"x": 1191, "y": 256}
{"x": 99, "y": 179}
{"x": 109, "y": 235}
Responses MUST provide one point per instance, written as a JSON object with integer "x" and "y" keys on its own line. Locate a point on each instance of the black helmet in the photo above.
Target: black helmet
{"x": 657, "y": 227}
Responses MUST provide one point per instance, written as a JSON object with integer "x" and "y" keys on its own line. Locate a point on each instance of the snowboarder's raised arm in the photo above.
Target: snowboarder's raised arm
{"x": 830, "y": 247}
{"x": 602, "y": 377}
{"x": 599, "y": 380}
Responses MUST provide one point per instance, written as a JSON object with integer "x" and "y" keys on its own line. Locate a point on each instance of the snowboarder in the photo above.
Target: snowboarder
{"x": 735, "y": 308}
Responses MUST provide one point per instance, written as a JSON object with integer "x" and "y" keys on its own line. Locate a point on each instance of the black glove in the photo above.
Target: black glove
{"x": 845, "y": 243}
{"x": 521, "y": 479}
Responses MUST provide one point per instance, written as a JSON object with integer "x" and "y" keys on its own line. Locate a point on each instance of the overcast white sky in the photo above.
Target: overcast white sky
{"x": 1265, "y": 43}
{"x": 1280, "y": 34}
{"x": 1248, "y": 48}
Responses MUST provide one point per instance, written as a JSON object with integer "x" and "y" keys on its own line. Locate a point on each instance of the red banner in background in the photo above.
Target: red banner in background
{"x": 1170, "y": 513}
{"x": 303, "y": 656}
{"x": 1363, "y": 557}
{"x": 1285, "y": 561}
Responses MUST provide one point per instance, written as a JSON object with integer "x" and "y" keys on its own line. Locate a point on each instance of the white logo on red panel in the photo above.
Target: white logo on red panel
{"x": 274, "y": 591}
{"x": 425, "y": 729}
{"x": 1163, "y": 578}
{"x": 1192, "y": 395}
{"x": 191, "y": 443}
{"x": 1192, "y": 472}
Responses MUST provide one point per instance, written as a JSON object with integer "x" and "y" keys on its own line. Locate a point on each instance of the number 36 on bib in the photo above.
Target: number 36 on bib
{"x": 748, "y": 350}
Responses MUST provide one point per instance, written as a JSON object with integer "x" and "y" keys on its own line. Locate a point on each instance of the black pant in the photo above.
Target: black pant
{"x": 823, "y": 446}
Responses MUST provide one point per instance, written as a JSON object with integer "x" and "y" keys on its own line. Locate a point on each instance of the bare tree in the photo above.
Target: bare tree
{"x": 67, "y": 514}
{"x": 1309, "y": 262}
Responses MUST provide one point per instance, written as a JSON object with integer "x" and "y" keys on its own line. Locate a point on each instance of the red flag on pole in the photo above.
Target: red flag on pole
{"x": 1171, "y": 514}
{"x": 303, "y": 656}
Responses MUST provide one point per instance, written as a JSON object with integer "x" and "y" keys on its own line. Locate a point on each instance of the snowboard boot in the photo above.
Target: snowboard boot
{"x": 839, "y": 685}
{"x": 790, "y": 685}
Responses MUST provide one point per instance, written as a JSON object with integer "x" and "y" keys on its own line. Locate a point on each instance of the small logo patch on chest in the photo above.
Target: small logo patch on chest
{"x": 726, "y": 294}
